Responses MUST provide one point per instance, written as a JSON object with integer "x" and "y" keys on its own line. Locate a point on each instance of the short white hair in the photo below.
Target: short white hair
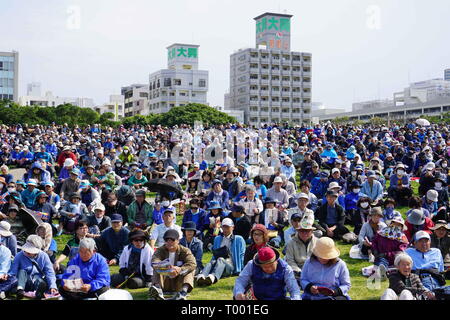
{"x": 402, "y": 257}
{"x": 87, "y": 243}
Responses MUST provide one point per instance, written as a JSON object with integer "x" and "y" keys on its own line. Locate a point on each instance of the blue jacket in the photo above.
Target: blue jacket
{"x": 28, "y": 156}
{"x": 333, "y": 277}
{"x": 223, "y": 202}
{"x": 28, "y": 197}
{"x": 43, "y": 155}
{"x": 11, "y": 243}
{"x": 200, "y": 219}
{"x": 319, "y": 187}
{"x": 5, "y": 260}
{"x": 237, "y": 251}
{"x": 94, "y": 272}
{"x": 196, "y": 247}
{"x": 351, "y": 199}
{"x": 22, "y": 262}
{"x": 373, "y": 193}
{"x": 52, "y": 149}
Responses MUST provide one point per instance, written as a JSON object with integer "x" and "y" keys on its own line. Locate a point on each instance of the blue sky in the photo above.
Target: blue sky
{"x": 121, "y": 42}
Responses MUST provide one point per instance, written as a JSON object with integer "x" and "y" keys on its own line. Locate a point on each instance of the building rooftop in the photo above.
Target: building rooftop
{"x": 273, "y": 14}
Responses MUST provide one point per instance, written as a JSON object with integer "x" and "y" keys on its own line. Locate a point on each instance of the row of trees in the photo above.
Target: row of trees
{"x": 12, "y": 113}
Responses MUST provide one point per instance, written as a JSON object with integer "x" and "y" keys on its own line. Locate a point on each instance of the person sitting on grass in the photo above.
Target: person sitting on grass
{"x": 113, "y": 240}
{"x": 135, "y": 263}
{"x": 157, "y": 235}
{"x": 140, "y": 212}
{"x": 369, "y": 230}
{"x": 403, "y": 284}
{"x": 417, "y": 221}
{"x": 386, "y": 244}
{"x": 266, "y": 277}
{"x": 228, "y": 256}
{"x": 7, "y": 238}
{"x": 98, "y": 221}
{"x": 324, "y": 275}
{"x": 191, "y": 242}
{"x": 241, "y": 222}
{"x": 259, "y": 236}
{"x": 427, "y": 262}
{"x": 33, "y": 269}
{"x": 6, "y": 281}
{"x": 44, "y": 230}
{"x": 89, "y": 268}
{"x": 71, "y": 248}
{"x": 301, "y": 247}
{"x": 440, "y": 239}
{"x": 71, "y": 212}
{"x": 182, "y": 267}
{"x": 331, "y": 217}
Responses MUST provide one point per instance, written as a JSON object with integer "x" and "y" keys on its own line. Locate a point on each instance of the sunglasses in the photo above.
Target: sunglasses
{"x": 170, "y": 239}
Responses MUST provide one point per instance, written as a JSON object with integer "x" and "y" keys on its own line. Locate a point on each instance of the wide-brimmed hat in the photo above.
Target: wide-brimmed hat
{"x": 189, "y": 226}
{"x": 306, "y": 224}
{"x": 32, "y": 182}
{"x": 5, "y": 228}
{"x": 416, "y": 217}
{"x": 265, "y": 255}
{"x": 68, "y": 162}
{"x": 214, "y": 205}
{"x": 440, "y": 224}
{"x": 398, "y": 219}
{"x": 325, "y": 248}
{"x": 333, "y": 185}
{"x": 278, "y": 180}
{"x": 33, "y": 245}
{"x": 376, "y": 210}
{"x": 432, "y": 195}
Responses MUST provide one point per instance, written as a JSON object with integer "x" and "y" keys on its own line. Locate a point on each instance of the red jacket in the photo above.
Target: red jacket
{"x": 63, "y": 156}
{"x": 425, "y": 227}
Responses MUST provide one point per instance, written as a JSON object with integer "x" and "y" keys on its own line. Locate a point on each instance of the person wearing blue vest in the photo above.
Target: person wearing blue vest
{"x": 269, "y": 276}
{"x": 228, "y": 256}
{"x": 319, "y": 185}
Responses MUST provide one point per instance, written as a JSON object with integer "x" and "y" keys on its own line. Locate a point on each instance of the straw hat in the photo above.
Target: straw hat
{"x": 326, "y": 249}
{"x": 5, "y": 228}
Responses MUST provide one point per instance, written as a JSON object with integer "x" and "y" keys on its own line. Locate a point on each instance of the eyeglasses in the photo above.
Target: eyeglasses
{"x": 170, "y": 239}
{"x": 138, "y": 240}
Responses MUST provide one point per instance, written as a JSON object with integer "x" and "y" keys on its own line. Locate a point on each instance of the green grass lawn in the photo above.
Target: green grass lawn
{"x": 223, "y": 289}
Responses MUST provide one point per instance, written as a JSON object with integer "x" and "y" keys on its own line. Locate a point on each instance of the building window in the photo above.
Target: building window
{"x": 202, "y": 83}
{"x": 167, "y": 82}
{"x": 183, "y": 94}
{"x": 177, "y": 82}
{"x": 143, "y": 94}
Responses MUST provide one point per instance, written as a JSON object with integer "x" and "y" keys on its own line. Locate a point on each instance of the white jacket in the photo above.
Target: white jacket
{"x": 146, "y": 258}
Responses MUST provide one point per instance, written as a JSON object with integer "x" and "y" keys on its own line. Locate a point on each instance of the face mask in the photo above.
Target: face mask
{"x": 165, "y": 203}
{"x": 364, "y": 205}
{"x": 389, "y": 209}
{"x": 124, "y": 171}
{"x": 118, "y": 165}
{"x": 11, "y": 190}
{"x": 356, "y": 190}
{"x": 438, "y": 185}
{"x": 354, "y": 173}
{"x": 400, "y": 173}
{"x": 444, "y": 165}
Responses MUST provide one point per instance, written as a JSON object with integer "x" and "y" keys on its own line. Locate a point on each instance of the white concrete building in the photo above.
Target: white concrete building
{"x": 115, "y": 105}
{"x": 9, "y": 76}
{"x": 135, "y": 99}
{"x": 181, "y": 83}
{"x": 270, "y": 83}
{"x": 372, "y": 104}
{"x": 237, "y": 114}
{"x": 49, "y": 100}
{"x": 423, "y": 92}
{"x": 447, "y": 74}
